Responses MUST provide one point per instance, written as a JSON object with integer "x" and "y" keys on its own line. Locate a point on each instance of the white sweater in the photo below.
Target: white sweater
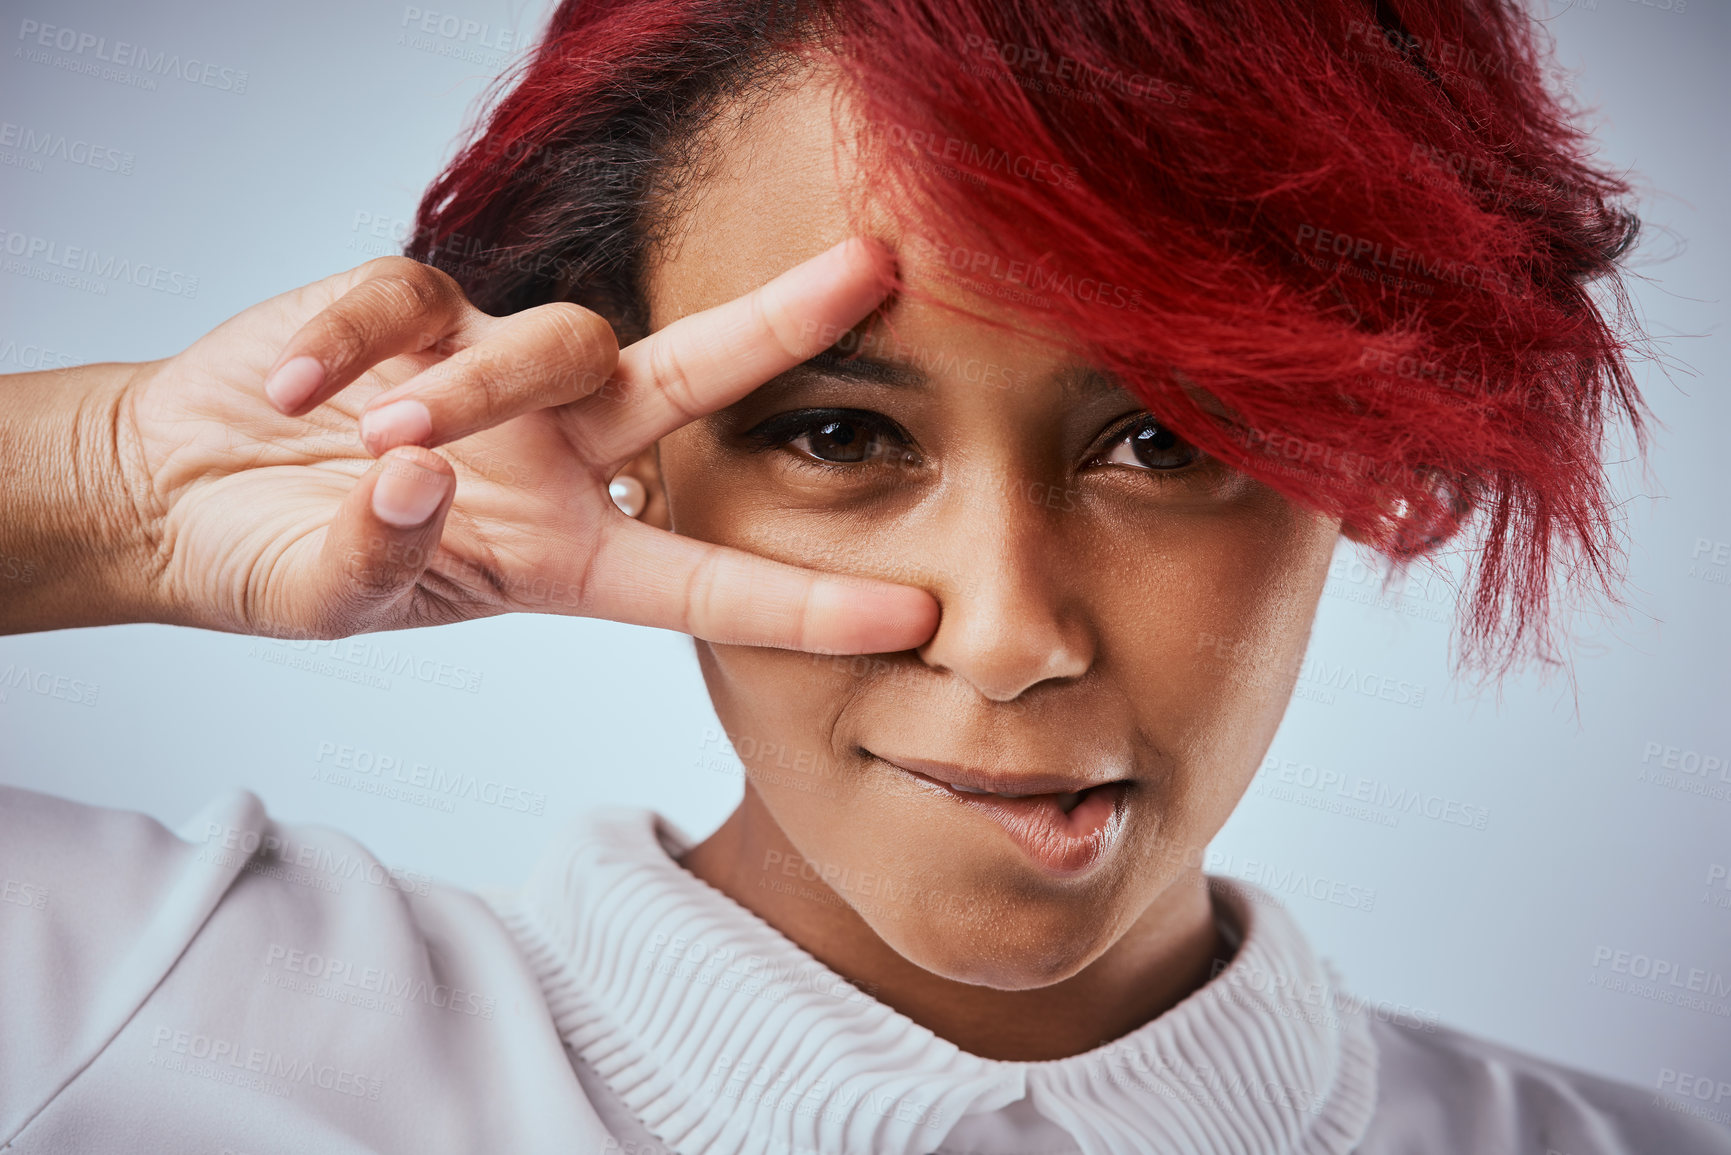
{"x": 247, "y": 988}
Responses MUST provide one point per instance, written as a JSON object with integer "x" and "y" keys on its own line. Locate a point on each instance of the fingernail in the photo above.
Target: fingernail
{"x": 293, "y": 382}
{"x": 403, "y": 422}
{"x": 406, "y": 495}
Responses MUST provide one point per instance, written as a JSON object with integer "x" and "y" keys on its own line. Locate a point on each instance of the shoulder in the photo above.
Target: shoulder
{"x": 154, "y": 975}
{"x": 1447, "y": 1091}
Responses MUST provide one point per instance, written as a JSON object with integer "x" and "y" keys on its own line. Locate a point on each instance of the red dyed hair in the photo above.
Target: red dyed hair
{"x": 1366, "y": 229}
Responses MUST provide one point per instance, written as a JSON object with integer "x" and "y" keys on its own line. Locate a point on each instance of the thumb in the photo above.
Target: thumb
{"x": 384, "y": 534}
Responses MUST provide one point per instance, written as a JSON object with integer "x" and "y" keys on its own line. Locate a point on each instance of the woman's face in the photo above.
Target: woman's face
{"x": 1116, "y": 612}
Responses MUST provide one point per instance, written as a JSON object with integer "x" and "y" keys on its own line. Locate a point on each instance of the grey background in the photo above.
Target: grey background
{"x": 348, "y": 111}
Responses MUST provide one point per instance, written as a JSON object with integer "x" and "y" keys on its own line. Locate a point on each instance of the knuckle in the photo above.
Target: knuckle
{"x": 489, "y": 391}
{"x": 670, "y": 377}
{"x": 774, "y": 318}
{"x": 346, "y": 334}
{"x": 392, "y": 264}
{"x": 802, "y": 627}
{"x": 408, "y": 288}
{"x": 700, "y": 590}
{"x": 404, "y": 295}
{"x": 439, "y": 281}
{"x": 388, "y": 268}
{"x": 377, "y": 570}
{"x": 475, "y": 393}
{"x": 581, "y": 343}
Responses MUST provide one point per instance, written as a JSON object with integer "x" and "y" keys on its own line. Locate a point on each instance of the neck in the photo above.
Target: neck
{"x": 1167, "y": 953}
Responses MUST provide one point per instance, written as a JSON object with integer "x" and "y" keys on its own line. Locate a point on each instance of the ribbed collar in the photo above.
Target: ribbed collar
{"x": 724, "y": 1037}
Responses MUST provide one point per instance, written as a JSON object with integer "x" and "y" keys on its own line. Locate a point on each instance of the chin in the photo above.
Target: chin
{"x": 1006, "y": 945}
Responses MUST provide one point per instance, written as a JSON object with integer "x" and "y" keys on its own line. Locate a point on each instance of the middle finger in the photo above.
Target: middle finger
{"x": 708, "y": 360}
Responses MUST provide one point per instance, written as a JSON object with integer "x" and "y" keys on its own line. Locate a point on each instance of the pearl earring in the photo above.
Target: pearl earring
{"x": 628, "y": 494}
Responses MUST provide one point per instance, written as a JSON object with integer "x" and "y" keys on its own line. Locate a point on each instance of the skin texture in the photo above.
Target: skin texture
{"x": 1098, "y": 617}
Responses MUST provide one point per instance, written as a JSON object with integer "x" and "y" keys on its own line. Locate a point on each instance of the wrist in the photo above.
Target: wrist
{"x": 76, "y": 543}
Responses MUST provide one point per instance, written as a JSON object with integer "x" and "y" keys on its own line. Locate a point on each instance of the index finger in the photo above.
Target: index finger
{"x": 708, "y": 360}
{"x": 650, "y": 577}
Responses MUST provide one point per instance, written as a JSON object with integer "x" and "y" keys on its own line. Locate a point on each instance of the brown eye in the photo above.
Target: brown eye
{"x": 834, "y": 437}
{"x": 1148, "y": 444}
{"x": 839, "y": 441}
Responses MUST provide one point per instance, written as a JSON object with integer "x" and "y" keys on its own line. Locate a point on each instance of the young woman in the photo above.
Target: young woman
{"x": 1005, "y": 375}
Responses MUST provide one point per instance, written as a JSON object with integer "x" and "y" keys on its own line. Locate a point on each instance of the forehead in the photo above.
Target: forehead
{"x": 774, "y": 184}
{"x": 765, "y": 192}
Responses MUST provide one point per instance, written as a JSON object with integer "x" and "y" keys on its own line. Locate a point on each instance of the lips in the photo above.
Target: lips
{"x": 1062, "y": 823}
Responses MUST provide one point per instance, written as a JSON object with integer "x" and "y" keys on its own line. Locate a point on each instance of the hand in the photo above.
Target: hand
{"x": 251, "y": 458}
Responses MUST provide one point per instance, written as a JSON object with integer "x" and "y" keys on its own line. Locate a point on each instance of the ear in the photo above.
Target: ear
{"x": 646, "y": 468}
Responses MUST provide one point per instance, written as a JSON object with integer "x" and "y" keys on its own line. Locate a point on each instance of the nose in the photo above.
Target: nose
{"x": 1012, "y": 611}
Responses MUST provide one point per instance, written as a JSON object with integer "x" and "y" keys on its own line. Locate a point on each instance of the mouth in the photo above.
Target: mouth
{"x": 1063, "y": 824}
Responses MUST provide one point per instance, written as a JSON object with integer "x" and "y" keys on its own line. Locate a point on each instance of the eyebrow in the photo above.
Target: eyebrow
{"x": 849, "y": 364}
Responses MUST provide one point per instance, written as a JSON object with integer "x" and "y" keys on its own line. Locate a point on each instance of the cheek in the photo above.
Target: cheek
{"x": 779, "y": 706}
{"x": 1212, "y": 627}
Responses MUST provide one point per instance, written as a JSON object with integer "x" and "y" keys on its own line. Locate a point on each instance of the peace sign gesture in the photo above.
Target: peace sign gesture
{"x": 372, "y": 452}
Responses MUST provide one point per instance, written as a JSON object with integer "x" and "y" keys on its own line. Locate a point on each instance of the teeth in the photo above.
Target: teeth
{"x": 988, "y": 793}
